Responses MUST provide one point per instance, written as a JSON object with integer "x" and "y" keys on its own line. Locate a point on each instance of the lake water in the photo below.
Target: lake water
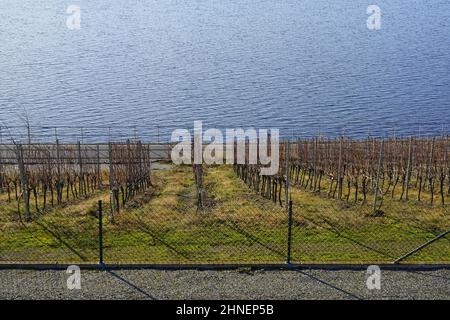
{"x": 305, "y": 66}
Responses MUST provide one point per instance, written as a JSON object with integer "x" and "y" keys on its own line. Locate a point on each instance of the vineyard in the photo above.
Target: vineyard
{"x": 380, "y": 194}
{"x": 47, "y": 176}
{"x": 353, "y": 171}
{"x": 352, "y": 201}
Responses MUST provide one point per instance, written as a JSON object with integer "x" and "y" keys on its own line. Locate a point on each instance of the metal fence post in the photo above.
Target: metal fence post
{"x": 422, "y": 246}
{"x": 289, "y": 238}
{"x": 288, "y": 156}
{"x": 100, "y": 233}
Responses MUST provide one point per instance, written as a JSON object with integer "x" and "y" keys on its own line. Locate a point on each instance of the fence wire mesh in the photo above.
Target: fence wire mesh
{"x": 345, "y": 234}
{"x": 350, "y": 204}
{"x": 370, "y": 201}
{"x": 174, "y": 231}
{"x": 65, "y": 235}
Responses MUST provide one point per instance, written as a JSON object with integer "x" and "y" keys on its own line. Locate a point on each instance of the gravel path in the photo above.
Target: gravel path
{"x": 193, "y": 284}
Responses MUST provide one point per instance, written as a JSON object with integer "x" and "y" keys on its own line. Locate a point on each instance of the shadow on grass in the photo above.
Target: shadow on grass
{"x": 333, "y": 227}
{"x": 427, "y": 229}
{"x": 58, "y": 237}
{"x": 252, "y": 239}
{"x": 144, "y": 228}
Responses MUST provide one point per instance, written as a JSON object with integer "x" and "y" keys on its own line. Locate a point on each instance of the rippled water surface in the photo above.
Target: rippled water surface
{"x": 308, "y": 65}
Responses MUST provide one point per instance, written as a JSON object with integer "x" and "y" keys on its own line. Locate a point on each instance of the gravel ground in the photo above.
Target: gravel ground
{"x": 234, "y": 284}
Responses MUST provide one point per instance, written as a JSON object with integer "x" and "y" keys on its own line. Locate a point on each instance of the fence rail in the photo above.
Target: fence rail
{"x": 92, "y": 153}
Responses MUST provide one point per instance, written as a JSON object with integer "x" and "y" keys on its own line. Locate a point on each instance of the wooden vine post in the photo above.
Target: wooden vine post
{"x": 112, "y": 187}
{"x": 340, "y": 172}
{"x": 23, "y": 182}
{"x": 286, "y": 189}
{"x": 377, "y": 180}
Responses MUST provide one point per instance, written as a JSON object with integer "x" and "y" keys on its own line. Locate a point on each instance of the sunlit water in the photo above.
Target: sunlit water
{"x": 307, "y": 67}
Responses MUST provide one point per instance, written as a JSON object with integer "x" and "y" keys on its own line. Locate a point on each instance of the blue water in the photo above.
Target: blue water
{"x": 306, "y": 67}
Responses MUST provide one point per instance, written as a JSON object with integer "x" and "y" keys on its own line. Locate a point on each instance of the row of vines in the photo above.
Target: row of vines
{"x": 358, "y": 172}
{"x": 44, "y": 176}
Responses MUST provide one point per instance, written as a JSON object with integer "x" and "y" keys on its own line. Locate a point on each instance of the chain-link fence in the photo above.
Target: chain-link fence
{"x": 349, "y": 234}
{"x": 66, "y": 235}
{"x": 215, "y": 215}
{"x": 233, "y": 226}
{"x": 370, "y": 201}
{"x": 173, "y": 231}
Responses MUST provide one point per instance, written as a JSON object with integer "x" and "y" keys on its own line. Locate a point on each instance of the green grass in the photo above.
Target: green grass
{"x": 347, "y": 233}
{"x": 235, "y": 226}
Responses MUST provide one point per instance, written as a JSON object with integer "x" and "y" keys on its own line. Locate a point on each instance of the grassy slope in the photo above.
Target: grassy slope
{"x": 236, "y": 225}
{"x": 63, "y": 234}
{"x": 324, "y": 231}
